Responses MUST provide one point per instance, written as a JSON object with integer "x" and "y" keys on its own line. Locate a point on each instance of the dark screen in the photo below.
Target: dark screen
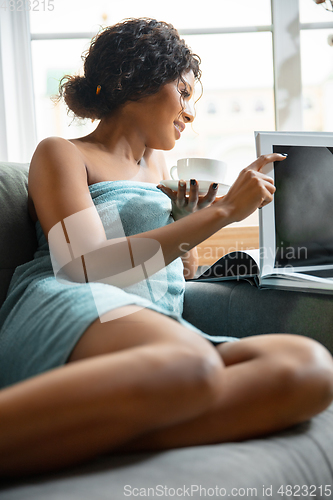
{"x": 304, "y": 207}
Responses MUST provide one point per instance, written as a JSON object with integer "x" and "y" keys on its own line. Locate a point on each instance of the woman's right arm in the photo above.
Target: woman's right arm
{"x": 70, "y": 221}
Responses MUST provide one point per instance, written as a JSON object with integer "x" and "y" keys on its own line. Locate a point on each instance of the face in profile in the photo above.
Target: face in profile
{"x": 162, "y": 117}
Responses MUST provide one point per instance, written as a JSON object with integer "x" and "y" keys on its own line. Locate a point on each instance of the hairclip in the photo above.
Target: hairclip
{"x": 98, "y": 89}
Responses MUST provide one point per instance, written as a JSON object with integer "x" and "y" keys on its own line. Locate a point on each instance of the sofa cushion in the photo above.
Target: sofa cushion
{"x": 18, "y": 240}
{"x": 297, "y": 463}
{"x": 238, "y": 309}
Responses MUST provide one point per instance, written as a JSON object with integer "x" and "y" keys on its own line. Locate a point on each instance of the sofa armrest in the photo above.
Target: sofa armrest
{"x": 17, "y": 230}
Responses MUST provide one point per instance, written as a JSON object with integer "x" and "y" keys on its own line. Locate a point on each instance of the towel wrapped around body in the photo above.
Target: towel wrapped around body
{"x": 43, "y": 317}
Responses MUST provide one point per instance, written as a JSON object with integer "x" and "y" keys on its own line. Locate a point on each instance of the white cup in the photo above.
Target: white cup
{"x": 201, "y": 169}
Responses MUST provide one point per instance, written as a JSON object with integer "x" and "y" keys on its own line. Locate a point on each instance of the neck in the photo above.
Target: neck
{"x": 119, "y": 137}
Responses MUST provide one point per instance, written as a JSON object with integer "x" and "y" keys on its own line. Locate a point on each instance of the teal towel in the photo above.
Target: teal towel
{"x": 43, "y": 318}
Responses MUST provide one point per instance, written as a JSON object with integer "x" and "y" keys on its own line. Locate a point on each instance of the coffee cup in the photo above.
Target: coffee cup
{"x": 202, "y": 169}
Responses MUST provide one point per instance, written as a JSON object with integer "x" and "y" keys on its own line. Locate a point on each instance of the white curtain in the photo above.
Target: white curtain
{"x": 18, "y": 136}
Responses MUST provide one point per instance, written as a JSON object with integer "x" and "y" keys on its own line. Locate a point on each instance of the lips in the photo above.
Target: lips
{"x": 179, "y": 125}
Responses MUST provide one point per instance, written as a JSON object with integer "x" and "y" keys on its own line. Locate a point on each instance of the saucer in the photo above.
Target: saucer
{"x": 203, "y": 186}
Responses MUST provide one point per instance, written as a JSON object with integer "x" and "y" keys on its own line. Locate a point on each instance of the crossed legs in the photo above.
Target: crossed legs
{"x": 143, "y": 381}
{"x": 269, "y": 383}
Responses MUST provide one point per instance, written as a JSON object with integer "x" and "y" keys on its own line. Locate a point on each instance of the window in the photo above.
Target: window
{"x": 254, "y": 77}
{"x": 77, "y": 16}
{"x": 232, "y": 79}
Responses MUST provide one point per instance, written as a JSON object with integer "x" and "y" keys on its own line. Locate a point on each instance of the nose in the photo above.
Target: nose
{"x": 188, "y": 112}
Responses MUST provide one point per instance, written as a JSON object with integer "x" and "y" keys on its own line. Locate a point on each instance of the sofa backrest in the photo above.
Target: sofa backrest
{"x": 18, "y": 240}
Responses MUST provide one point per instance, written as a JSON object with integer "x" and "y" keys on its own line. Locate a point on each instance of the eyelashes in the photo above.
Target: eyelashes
{"x": 184, "y": 92}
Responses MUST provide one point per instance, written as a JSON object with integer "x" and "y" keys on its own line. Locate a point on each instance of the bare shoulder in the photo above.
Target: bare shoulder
{"x": 58, "y": 182}
{"x": 54, "y": 153}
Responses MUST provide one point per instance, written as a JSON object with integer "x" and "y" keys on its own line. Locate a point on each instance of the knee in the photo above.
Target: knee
{"x": 306, "y": 375}
{"x": 318, "y": 372}
{"x": 199, "y": 369}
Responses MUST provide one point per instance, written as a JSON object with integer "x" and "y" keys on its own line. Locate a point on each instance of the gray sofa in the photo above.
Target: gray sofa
{"x": 295, "y": 463}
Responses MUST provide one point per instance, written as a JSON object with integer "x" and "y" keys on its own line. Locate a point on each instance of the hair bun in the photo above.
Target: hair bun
{"x": 80, "y": 96}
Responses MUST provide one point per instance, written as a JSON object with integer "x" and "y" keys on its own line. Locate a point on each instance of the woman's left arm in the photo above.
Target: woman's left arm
{"x": 190, "y": 259}
{"x": 191, "y": 263}
{"x": 183, "y": 205}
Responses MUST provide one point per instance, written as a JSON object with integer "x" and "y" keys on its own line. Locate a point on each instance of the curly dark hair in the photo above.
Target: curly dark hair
{"x": 129, "y": 60}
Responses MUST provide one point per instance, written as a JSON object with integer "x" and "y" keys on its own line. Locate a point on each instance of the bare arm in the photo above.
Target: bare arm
{"x": 68, "y": 216}
{"x": 191, "y": 263}
{"x": 190, "y": 259}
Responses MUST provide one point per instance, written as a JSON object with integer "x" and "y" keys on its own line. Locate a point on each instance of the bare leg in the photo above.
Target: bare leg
{"x": 146, "y": 375}
{"x": 270, "y": 383}
{"x": 126, "y": 373}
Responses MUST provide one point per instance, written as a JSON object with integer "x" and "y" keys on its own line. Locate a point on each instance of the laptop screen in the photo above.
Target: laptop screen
{"x": 303, "y": 205}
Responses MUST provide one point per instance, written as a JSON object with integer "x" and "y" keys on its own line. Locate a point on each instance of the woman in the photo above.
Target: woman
{"x": 135, "y": 375}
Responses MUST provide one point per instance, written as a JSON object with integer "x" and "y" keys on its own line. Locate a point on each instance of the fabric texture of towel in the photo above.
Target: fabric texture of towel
{"x": 43, "y": 317}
